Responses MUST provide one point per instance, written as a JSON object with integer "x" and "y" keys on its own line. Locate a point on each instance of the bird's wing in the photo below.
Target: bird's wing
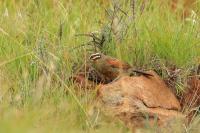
{"x": 115, "y": 63}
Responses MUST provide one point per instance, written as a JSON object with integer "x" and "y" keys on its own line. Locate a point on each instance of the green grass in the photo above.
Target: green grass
{"x": 37, "y": 52}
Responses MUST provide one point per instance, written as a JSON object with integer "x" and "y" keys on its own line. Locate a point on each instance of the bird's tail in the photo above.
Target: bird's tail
{"x": 140, "y": 72}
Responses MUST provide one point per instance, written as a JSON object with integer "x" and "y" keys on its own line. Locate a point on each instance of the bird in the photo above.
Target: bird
{"x": 113, "y": 68}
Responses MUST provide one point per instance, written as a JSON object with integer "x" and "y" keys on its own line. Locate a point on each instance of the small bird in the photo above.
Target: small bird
{"x": 113, "y": 68}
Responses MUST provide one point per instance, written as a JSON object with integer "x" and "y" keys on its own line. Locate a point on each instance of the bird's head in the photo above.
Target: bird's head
{"x": 95, "y": 56}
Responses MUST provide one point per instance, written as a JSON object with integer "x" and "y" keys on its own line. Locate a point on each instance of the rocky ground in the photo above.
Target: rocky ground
{"x": 140, "y": 99}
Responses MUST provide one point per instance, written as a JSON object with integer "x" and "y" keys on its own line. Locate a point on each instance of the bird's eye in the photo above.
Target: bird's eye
{"x": 95, "y": 56}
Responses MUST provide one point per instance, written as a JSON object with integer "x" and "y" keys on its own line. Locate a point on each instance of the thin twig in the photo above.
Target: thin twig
{"x": 133, "y": 8}
{"x": 121, "y": 10}
{"x": 143, "y": 6}
{"x": 92, "y": 35}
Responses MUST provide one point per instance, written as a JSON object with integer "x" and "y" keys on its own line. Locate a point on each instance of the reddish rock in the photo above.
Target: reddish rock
{"x": 133, "y": 99}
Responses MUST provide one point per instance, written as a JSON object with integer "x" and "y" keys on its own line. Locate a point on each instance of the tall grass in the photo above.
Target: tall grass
{"x": 38, "y": 50}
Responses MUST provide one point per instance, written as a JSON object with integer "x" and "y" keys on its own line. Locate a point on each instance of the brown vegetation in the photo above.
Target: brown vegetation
{"x": 190, "y": 101}
{"x": 185, "y": 5}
